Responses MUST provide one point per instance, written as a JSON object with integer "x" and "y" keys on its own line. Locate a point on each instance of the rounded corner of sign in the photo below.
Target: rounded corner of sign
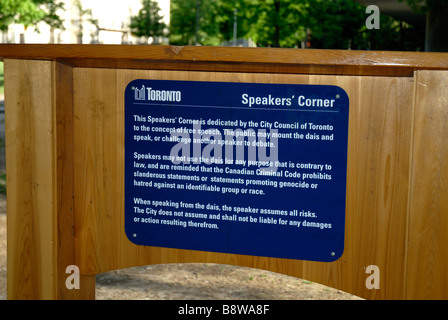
{"x": 132, "y": 83}
{"x": 343, "y": 91}
{"x": 132, "y": 237}
{"x": 334, "y": 256}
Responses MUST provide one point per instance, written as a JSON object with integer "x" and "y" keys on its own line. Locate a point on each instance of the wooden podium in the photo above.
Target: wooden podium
{"x": 64, "y": 109}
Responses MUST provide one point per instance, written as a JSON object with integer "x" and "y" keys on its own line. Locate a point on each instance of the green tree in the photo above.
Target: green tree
{"x": 182, "y": 22}
{"x": 30, "y": 12}
{"x": 335, "y": 24}
{"x": 329, "y": 24}
{"x": 436, "y": 12}
{"x": 277, "y": 23}
{"x": 193, "y": 22}
{"x": 231, "y": 16}
{"x": 148, "y": 22}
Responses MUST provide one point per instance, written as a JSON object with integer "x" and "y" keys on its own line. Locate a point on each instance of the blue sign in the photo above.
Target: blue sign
{"x": 243, "y": 168}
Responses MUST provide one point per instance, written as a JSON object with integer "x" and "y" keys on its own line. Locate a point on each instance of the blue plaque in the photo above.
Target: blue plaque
{"x": 244, "y": 168}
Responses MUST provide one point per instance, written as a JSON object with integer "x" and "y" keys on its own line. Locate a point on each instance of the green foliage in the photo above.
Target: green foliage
{"x": 330, "y": 24}
{"x": 423, "y": 6}
{"x": 182, "y": 22}
{"x": 341, "y": 24}
{"x": 30, "y": 12}
{"x": 277, "y": 23}
{"x": 195, "y": 22}
{"x": 224, "y": 16}
{"x": 148, "y": 22}
{"x": 335, "y": 24}
{"x": 51, "y": 8}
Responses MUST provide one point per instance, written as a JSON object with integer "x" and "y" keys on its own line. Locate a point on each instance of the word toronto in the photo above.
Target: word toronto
{"x": 157, "y": 95}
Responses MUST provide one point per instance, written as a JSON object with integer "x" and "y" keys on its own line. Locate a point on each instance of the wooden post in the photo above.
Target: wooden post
{"x": 39, "y": 152}
{"x": 427, "y": 265}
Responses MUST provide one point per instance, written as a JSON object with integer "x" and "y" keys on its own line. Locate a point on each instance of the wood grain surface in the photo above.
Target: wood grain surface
{"x": 30, "y": 183}
{"x": 427, "y": 265}
{"x": 378, "y": 164}
{"x": 228, "y": 59}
